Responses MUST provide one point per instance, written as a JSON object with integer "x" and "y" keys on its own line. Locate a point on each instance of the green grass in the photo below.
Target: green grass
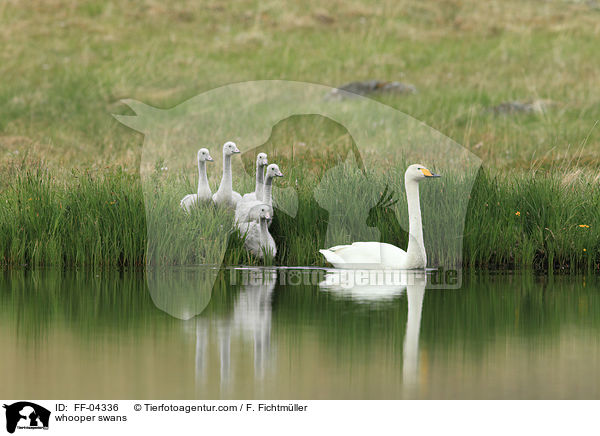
{"x": 98, "y": 218}
{"x": 65, "y": 66}
{"x": 86, "y": 217}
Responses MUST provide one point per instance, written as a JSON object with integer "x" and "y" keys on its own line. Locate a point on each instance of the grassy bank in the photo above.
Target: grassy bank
{"x": 66, "y": 65}
{"x": 98, "y": 218}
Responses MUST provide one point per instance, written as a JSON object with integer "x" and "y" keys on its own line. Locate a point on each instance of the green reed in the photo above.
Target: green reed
{"x": 109, "y": 218}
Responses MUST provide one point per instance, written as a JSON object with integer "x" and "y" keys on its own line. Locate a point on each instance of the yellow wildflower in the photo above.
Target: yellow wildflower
{"x": 584, "y": 226}
{"x": 517, "y": 213}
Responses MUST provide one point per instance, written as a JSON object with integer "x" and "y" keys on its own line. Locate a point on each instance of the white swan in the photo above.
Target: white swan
{"x": 225, "y": 195}
{"x": 261, "y": 163}
{"x": 257, "y": 238}
{"x": 379, "y": 255}
{"x": 204, "y": 193}
{"x": 242, "y": 211}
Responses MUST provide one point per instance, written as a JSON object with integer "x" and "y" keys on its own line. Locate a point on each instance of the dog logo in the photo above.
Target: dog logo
{"x": 347, "y": 186}
{"x": 26, "y": 415}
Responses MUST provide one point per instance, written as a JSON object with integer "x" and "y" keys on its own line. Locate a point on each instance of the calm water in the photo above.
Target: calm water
{"x": 176, "y": 335}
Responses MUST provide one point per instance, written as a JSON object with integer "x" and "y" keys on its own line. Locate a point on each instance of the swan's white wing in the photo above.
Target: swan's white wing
{"x": 243, "y": 208}
{"x": 251, "y": 234}
{"x": 365, "y": 255}
{"x": 360, "y": 253}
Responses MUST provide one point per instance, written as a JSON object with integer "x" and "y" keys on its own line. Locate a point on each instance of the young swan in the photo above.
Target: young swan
{"x": 257, "y": 238}
{"x": 261, "y": 163}
{"x": 203, "y": 193}
{"x": 242, "y": 211}
{"x": 379, "y": 255}
{"x": 225, "y": 195}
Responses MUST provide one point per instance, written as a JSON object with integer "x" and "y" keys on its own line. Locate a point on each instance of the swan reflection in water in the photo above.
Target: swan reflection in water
{"x": 369, "y": 286}
{"x": 249, "y": 320}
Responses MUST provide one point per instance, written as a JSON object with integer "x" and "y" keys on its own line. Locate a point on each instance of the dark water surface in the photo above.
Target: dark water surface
{"x": 75, "y": 335}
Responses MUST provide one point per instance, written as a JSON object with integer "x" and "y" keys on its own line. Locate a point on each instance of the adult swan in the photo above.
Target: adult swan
{"x": 379, "y": 255}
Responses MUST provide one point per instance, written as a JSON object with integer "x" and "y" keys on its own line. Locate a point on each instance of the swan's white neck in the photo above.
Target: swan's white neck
{"x": 415, "y": 253}
{"x": 202, "y": 178}
{"x": 225, "y": 186}
{"x": 267, "y": 199}
{"x": 259, "y": 182}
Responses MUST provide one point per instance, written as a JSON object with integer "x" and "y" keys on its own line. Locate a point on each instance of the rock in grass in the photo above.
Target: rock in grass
{"x": 528, "y": 107}
{"x": 370, "y": 87}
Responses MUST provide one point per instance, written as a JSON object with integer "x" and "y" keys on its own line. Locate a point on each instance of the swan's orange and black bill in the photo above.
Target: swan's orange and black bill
{"x": 428, "y": 173}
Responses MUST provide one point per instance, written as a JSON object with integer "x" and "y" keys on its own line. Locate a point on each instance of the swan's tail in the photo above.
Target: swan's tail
{"x": 334, "y": 259}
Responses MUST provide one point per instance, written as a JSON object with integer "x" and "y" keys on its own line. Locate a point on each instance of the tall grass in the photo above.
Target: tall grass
{"x": 81, "y": 218}
{"x": 99, "y": 218}
{"x": 545, "y": 221}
